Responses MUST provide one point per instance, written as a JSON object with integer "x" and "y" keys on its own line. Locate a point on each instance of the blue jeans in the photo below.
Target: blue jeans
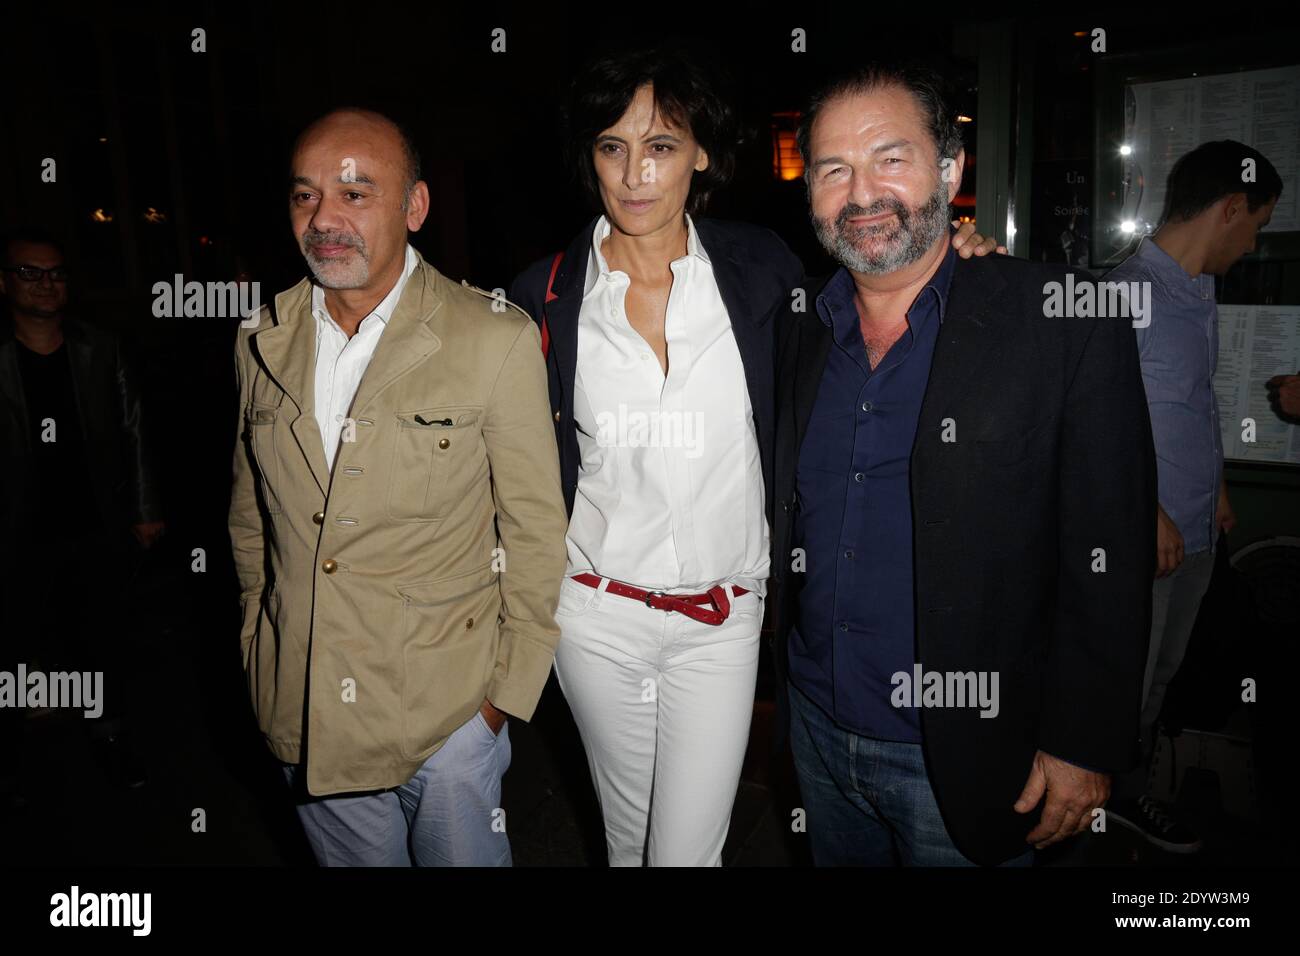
{"x": 448, "y": 814}
{"x": 868, "y": 801}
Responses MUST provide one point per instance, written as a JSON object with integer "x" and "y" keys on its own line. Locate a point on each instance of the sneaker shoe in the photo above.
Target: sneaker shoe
{"x": 1149, "y": 819}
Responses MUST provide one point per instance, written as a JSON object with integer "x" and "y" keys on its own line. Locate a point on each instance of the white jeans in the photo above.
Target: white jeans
{"x": 663, "y": 703}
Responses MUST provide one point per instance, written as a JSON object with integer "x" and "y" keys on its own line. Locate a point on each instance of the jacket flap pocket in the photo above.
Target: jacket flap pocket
{"x": 426, "y": 593}
{"x": 439, "y": 417}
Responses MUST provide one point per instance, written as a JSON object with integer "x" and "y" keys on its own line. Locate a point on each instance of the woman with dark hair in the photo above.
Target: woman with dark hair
{"x": 660, "y": 330}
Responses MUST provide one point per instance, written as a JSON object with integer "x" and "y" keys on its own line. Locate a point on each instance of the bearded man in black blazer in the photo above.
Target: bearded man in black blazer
{"x": 965, "y": 514}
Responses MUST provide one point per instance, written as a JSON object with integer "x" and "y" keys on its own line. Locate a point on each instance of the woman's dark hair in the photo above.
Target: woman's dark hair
{"x": 685, "y": 93}
{"x": 1214, "y": 170}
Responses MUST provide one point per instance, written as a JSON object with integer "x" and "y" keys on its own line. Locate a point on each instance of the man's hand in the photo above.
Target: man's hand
{"x": 1225, "y": 519}
{"x": 1072, "y": 794}
{"x": 1169, "y": 544}
{"x": 969, "y": 243}
{"x": 148, "y": 532}
{"x": 496, "y": 719}
{"x": 1284, "y": 394}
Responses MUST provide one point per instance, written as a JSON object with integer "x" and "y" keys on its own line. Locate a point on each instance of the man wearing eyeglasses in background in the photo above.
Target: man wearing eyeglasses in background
{"x": 76, "y": 486}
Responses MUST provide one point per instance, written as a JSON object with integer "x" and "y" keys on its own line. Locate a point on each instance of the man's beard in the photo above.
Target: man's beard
{"x": 349, "y": 271}
{"x": 879, "y": 250}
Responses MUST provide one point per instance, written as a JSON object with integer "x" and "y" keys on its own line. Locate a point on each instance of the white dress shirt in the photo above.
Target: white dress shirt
{"x": 670, "y": 485}
{"x": 340, "y": 361}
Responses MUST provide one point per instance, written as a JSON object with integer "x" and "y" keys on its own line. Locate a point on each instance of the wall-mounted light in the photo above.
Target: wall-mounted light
{"x": 964, "y": 119}
{"x": 100, "y": 216}
{"x": 1127, "y": 226}
{"x": 1126, "y": 150}
{"x": 154, "y": 216}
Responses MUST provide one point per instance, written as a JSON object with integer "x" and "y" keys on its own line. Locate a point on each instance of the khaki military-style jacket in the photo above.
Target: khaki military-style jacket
{"x": 383, "y": 602}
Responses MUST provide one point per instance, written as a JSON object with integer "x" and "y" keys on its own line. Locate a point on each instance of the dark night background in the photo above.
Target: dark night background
{"x": 139, "y": 122}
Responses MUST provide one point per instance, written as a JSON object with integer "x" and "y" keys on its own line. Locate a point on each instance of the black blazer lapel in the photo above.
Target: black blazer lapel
{"x": 753, "y": 338}
{"x": 562, "y": 313}
{"x": 966, "y": 339}
{"x": 811, "y": 344}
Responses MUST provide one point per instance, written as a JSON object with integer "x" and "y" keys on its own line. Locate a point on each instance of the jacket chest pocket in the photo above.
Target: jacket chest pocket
{"x": 436, "y": 454}
{"x": 259, "y": 423}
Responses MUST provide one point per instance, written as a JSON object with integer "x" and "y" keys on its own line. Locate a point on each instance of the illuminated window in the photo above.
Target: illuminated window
{"x": 787, "y": 164}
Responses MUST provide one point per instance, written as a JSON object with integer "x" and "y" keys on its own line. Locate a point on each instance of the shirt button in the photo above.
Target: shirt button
{"x": 859, "y": 477}
{"x": 644, "y": 356}
{"x": 866, "y": 406}
{"x": 844, "y": 626}
{"x": 849, "y": 554}
{"x": 329, "y": 565}
{"x": 318, "y": 517}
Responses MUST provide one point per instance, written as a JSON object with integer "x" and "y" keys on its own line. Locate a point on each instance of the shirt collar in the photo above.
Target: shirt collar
{"x": 839, "y": 291}
{"x": 384, "y": 309}
{"x": 1163, "y": 262}
{"x": 598, "y": 267}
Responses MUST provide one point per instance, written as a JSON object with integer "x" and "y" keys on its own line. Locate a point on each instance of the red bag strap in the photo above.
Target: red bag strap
{"x": 550, "y": 297}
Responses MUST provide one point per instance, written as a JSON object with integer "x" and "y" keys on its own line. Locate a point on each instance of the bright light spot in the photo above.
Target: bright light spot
{"x": 1126, "y": 150}
{"x": 1126, "y": 226}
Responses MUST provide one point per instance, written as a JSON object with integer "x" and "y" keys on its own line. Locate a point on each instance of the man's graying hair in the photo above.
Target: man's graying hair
{"x": 927, "y": 87}
{"x": 412, "y": 162}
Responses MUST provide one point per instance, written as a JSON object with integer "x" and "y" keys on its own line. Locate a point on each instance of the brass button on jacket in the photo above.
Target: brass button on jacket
{"x": 318, "y": 517}
{"x": 329, "y": 565}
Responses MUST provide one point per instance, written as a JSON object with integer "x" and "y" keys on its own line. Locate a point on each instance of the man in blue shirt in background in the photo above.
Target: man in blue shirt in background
{"x": 1212, "y": 217}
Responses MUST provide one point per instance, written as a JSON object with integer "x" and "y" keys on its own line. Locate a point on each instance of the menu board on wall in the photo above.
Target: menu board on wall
{"x": 1256, "y": 342}
{"x": 1165, "y": 120}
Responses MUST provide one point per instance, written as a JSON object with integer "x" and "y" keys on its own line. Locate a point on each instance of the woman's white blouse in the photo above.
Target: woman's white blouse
{"x": 670, "y": 484}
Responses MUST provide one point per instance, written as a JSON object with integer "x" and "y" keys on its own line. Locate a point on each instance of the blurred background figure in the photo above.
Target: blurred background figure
{"x": 78, "y": 500}
{"x": 1212, "y": 218}
{"x": 1284, "y": 394}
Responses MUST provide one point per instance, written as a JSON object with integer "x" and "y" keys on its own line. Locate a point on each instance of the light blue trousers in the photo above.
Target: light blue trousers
{"x": 448, "y": 814}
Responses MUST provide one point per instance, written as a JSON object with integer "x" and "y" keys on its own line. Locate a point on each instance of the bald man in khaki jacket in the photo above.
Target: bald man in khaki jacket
{"x": 396, "y": 518}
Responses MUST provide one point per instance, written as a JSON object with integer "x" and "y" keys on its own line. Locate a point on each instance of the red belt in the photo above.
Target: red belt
{"x": 688, "y": 604}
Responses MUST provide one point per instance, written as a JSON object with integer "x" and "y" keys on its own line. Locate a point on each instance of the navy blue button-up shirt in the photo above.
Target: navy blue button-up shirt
{"x": 856, "y": 622}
